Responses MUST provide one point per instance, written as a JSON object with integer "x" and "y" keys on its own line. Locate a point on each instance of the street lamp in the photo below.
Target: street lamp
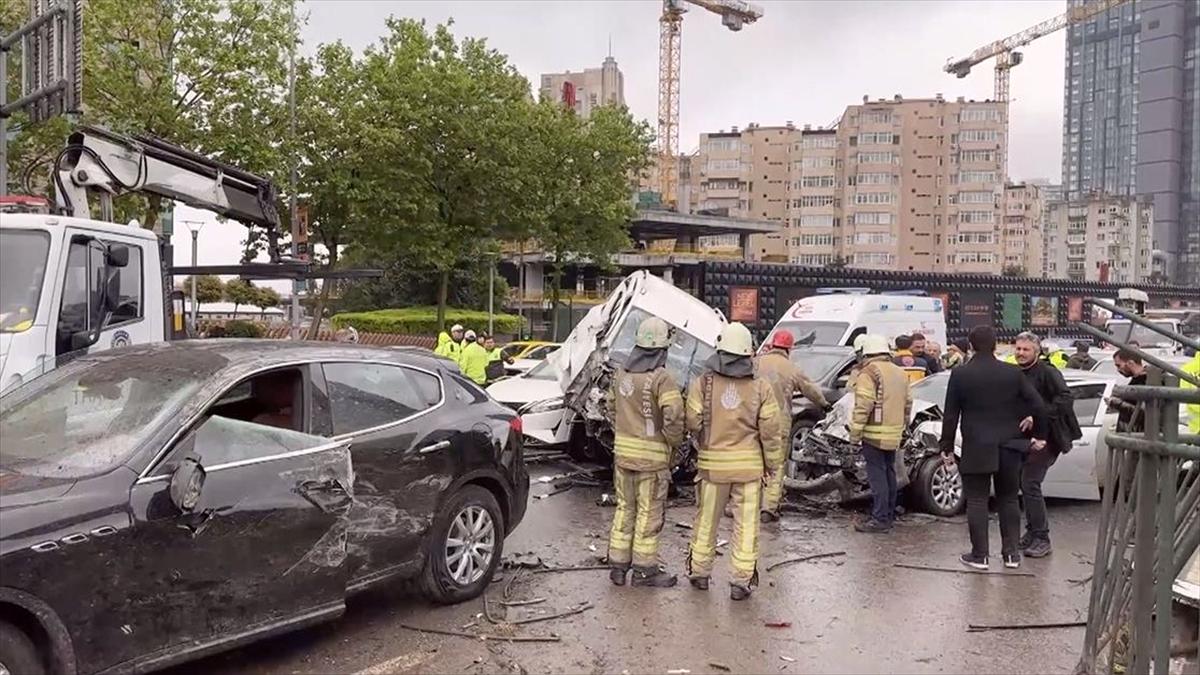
{"x": 195, "y": 241}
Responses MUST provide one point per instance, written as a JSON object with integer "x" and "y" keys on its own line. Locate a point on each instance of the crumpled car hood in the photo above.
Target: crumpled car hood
{"x": 837, "y": 423}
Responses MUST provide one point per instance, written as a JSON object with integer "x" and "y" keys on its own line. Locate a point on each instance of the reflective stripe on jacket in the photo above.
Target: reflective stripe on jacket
{"x": 649, "y": 419}
{"x": 882, "y": 403}
{"x": 737, "y": 425}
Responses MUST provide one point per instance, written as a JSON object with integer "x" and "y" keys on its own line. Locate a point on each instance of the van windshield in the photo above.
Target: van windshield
{"x": 825, "y": 332}
{"x": 1127, "y": 331}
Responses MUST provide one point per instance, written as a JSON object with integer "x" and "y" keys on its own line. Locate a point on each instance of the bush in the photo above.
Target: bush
{"x": 423, "y": 321}
{"x": 243, "y": 329}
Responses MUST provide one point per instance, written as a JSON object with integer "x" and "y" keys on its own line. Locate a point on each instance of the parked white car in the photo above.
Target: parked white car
{"x": 537, "y": 397}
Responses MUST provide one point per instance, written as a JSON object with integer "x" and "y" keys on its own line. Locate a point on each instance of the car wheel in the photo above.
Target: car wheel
{"x": 940, "y": 490}
{"x": 800, "y": 427}
{"x": 18, "y": 655}
{"x": 465, "y": 546}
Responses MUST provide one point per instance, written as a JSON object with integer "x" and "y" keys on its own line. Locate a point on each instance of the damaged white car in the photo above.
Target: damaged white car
{"x": 824, "y": 461}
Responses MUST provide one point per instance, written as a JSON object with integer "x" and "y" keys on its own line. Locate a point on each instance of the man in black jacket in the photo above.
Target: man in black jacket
{"x": 1060, "y": 416}
{"x": 992, "y": 399}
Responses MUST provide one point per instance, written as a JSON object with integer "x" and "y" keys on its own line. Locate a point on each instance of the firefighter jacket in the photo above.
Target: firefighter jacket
{"x": 737, "y": 425}
{"x": 914, "y": 367}
{"x": 785, "y": 378}
{"x": 882, "y": 403}
{"x": 648, "y": 419}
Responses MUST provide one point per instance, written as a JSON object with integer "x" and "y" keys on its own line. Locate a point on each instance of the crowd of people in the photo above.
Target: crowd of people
{"x": 1015, "y": 423}
{"x": 476, "y": 354}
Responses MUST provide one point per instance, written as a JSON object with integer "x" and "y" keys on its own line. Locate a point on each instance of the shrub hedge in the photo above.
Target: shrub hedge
{"x": 238, "y": 328}
{"x": 423, "y": 321}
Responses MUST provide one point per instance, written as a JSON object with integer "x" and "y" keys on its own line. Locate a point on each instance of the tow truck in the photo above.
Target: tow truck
{"x": 72, "y": 281}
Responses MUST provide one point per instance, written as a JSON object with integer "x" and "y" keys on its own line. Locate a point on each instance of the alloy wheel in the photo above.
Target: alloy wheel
{"x": 470, "y": 544}
{"x": 946, "y": 488}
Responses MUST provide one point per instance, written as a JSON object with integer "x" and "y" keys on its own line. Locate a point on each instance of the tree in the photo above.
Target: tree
{"x": 208, "y": 289}
{"x": 577, "y": 192}
{"x": 240, "y": 292}
{"x": 448, "y": 122}
{"x": 838, "y": 262}
{"x": 265, "y": 298}
{"x": 209, "y": 75}
{"x": 1014, "y": 271}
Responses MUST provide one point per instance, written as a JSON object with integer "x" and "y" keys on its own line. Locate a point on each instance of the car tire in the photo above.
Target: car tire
{"x": 800, "y": 425}
{"x": 938, "y": 492}
{"x": 447, "y": 578}
{"x": 18, "y": 654}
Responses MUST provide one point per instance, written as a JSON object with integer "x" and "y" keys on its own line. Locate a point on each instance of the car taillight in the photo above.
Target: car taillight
{"x": 516, "y": 425}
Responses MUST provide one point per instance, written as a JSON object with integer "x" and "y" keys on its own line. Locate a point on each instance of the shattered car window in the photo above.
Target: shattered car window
{"x": 685, "y": 358}
{"x": 88, "y": 416}
{"x": 220, "y": 440}
{"x": 366, "y": 395}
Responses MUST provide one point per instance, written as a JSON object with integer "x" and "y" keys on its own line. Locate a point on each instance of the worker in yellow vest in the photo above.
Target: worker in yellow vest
{"x": 1193, "y": 409}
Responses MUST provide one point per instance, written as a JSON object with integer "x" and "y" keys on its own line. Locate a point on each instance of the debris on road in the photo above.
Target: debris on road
{"x": 679, "y": 671}
{"x": 581, "y": 568}
{"x": 555, "y": 491}
{"x": 1080, "y": 582}
{"x": 786, "y": 658}
{"x": 719, "y": 666}
{"x": 482, "y": 636}
{"x": 521, "y": 603}
{"x": 570, "y": 612}
{"x": 983, "y": 628}
{"x": 606, "y": 500}
{"x": 683, "y": 525}
{"x": 522, "y": 560}
{"x": 778, "y": 624}
{"x": 950, "y": 570}
{"x": 817, "y": 556}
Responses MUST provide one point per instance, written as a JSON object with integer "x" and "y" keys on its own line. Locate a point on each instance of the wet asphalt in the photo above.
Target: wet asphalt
{"x": 854, "y": 613}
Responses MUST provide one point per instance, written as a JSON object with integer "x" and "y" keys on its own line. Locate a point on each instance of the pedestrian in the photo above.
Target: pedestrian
{"x": 649, "y": 424}
{"x": 920, "y": 350}
{"x": 1081, "y": 360}
{"x": 736, "y": 422}
{"x": 882, "y": 403}
{"x": 1061, "y": 428}
{"x": 914, "y": 366}
{"x": 786, "y": 379}
{"x": 496, "y": 360}
{"x": 1054, "y": 354}
{"x": 933, "y": 354}
{"x": 450, "y": 346}
{"x": 1192, "y": 410}
{"x": 991, "y": 399}
{"x": 957, "y": 354}
{"x": 474, "y": 359}
{"x": 1130, "y": 415}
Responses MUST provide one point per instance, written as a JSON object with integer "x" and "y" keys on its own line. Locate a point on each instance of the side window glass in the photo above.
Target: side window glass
{"x": 466, "y": 392}
{"x": 221, "y": 440}
{"x": 129, "y": 303}
{"x": 366, "y": 395}
{"x": 73, "y": 316}
{"x": 1087, "y": 403}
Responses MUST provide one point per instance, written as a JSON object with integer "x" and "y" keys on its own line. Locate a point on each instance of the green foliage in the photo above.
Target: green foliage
{"x": 265, "y": 298}
{"x": 208, "y": 289}
{"x": 423, "y": 321}
{"x": 240, "y": 292}
{"x": 415, "y": 283}
{"x": 238, "y": 328}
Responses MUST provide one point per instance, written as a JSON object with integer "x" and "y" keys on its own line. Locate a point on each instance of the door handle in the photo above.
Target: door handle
{"x": 440, "y": 445}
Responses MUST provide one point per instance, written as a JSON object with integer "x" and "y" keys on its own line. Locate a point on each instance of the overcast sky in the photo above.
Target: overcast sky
{"x": 804, "y": 61}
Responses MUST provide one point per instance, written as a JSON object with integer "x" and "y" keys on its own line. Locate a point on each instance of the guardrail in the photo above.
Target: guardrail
{"x": 1149, "y": 521}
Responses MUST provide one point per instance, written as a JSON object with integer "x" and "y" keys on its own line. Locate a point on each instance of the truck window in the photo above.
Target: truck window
{"x": 82, "y": 290}
{"x": 22, "y": 273}
{"x": 129, "y": 303}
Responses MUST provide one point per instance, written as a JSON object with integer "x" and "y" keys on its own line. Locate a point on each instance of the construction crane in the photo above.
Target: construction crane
{"x": 1004, "y": 51}
{"x": 734, "y": 14}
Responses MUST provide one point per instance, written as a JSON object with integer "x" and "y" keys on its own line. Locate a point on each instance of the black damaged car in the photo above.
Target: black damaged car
{"x": 163, "y": 502}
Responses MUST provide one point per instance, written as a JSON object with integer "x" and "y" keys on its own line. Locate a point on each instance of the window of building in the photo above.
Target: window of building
{"x": 976, "y": 177}
{"x": 722, "y": 184}
{"x": 874, "y": 198}
{"x": 817, "y": 162}
{"x": 724, "y": 164}
{"x": 873, "y": 258}
{"x": 973, "y": 198}
{"x": 977, "y": 217}
{"x": 978, "y": 136}
{"x": 874, "y": 238}
{"x": 723, "y": 144}
{"x": 876, "y": 117}
{"x": 815, "y": 200}
{"x": 816, "y": 220}
{"x": 816, "y": 240}
{"x": 871, "y": 218}
{"x": 975, "y": 238}
{"x": 876, "y": 138}
{"x": 979, "y": 115}
{"x": 812, "y": 259}
{"x": 977, "y": 156}
{"x": 819, "y": 141}
{"x": 877, "y": 158}
{"x": 874, "y": 179}
{"x": 818, "y": 181}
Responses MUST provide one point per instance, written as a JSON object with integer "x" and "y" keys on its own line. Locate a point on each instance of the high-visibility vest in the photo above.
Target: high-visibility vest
{"x": 1193, "y": 410}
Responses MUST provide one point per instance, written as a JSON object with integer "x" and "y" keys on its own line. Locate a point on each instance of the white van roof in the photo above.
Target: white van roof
{"x": 860, "y": 303}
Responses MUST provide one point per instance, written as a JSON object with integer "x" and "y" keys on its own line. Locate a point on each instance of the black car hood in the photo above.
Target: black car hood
{"x": 19, "y": 490}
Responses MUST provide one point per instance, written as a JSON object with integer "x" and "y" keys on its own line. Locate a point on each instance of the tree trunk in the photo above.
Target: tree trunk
{"x": 314, "y": 329}
{"x": 153, "y": 206}
{"x": 443, "y": 294}
{"x": 555, "y": 285}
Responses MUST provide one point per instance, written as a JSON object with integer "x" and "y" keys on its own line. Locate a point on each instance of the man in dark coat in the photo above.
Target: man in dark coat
{"x": 991, "y": 398}
{"x": 1061, "y": 429}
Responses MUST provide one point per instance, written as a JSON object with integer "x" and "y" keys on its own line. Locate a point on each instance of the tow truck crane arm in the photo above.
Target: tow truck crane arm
{"x": 112, "y": 164}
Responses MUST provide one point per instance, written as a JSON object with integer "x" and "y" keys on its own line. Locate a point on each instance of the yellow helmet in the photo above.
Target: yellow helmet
{"x": 653, "y": 333}
{"x": 735, "y": 339}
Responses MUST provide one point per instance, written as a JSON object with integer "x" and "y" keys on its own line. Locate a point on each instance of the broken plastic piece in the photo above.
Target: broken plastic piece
{"x": 778, "y": 624}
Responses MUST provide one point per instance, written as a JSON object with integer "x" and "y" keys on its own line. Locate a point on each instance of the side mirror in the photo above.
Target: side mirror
{"x": 118, "y": 255}
{"x": 187, "y": 481}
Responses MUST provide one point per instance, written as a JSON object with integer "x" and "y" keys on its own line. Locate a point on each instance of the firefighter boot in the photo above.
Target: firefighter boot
{"x": 739, "y": 592}
{"x": 653, "y": 577}
{"x": 617, "y": 574}
{"x": 699, "y": 583}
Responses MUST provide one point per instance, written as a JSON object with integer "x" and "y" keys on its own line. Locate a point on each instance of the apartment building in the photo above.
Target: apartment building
{"x": 1022, "y": 236}
{"x": 588, "y": 89}
{"x": 1100, "y": 238}
{"x": 744, "y": 173}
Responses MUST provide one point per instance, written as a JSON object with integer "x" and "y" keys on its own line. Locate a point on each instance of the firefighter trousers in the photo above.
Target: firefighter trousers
{"x": 744, "y": 500}
{"x": 638, "y": 520}
{"x": 773, "y": 492}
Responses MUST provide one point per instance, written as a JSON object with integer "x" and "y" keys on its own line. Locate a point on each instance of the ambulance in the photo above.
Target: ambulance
{"x": 836, "y": 316}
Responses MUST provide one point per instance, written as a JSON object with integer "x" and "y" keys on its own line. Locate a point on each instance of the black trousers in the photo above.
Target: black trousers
{"x": 1032, "y": 474}
{"x": 1007, "y": 484}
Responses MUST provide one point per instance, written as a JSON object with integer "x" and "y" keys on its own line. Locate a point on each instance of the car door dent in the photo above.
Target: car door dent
{"x": 329, "y": 486}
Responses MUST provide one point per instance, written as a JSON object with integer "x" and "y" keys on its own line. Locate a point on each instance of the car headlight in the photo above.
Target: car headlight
{"x": 547, "y": 405}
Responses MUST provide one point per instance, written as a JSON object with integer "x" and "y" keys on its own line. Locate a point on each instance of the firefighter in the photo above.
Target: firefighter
{"x": 649, "y": 427}
{"x": 785, "y": 379}
{"x": 735, "y": 421}
{"x": 881, "y": 408}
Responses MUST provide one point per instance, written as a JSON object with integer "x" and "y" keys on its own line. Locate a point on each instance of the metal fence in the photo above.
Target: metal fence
{"x": 1149, "y": 519}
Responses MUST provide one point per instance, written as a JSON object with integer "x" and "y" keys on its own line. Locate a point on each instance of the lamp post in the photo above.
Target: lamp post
{"x": 195, "y": 241}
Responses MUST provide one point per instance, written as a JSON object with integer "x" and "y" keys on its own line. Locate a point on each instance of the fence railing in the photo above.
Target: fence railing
{"x": 378, "y": 339}
{"x": 1149, "y": 521}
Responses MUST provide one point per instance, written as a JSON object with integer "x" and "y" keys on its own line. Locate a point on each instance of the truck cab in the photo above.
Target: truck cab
{"x": 837, "y": 316}
{"x": 71, "y": 285}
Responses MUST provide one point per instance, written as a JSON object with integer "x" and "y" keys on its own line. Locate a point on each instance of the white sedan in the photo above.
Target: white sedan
{"x": 537, "y": 397}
